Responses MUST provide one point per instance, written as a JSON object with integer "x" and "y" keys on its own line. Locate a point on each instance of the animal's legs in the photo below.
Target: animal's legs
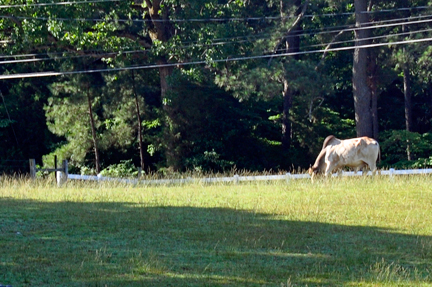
{"x": 329, "y": 168}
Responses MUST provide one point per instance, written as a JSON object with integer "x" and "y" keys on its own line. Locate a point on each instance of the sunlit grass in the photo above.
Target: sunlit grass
{"x": 344, "y": 232}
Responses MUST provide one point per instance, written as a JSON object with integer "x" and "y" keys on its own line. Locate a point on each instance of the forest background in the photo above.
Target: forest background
{"x": 211, "y": 86}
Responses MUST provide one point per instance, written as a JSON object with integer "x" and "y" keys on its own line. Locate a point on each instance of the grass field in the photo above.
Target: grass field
{"x": 340, "y": 232}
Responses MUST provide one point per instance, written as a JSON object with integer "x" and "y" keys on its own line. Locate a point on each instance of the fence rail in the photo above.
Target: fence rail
{"x": 63, "y": 176}
{"x": 237, "y": 178}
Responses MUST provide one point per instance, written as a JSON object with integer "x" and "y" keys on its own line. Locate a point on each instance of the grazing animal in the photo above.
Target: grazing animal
{"x": 335, "y": 154}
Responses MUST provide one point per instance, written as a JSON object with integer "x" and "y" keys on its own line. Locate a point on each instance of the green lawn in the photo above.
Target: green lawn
{"x": 340, "y": 232}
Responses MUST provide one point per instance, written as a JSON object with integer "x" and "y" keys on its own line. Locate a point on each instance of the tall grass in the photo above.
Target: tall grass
{"x": 337, "y": 232}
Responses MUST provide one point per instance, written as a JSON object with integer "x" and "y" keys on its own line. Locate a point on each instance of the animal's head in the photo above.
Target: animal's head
{"x": 313, "y": 172}
{"x": 319, "y": 166}
{"x": 314, "y": 169}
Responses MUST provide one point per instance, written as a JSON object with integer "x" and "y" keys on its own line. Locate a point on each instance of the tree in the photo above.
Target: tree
{"x": 291, "y": 43}
{"x": 144, "y": 115}
{"x": 126, "y": 110}
{"x": 361, "y": 89}
{"x": 71, "y": 113}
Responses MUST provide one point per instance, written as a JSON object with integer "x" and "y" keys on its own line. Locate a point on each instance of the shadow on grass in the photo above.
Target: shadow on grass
{"x": 119, "y": 244}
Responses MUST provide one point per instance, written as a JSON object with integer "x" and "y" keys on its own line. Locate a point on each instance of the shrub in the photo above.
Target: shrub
{"x": 396, "y": 143}
{"x": 123, "y": 169}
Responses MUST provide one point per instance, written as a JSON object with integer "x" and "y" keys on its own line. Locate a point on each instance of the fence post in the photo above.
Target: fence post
{"x": 55, "y": 167}
{"x": 32, "y": 163}
{"x": 288, "y": 177}
{"x": 236, "y": 179}
{"x": 65, "y": 167}
{"x": 391, "y": 172}
{"x": 62, "y": 175}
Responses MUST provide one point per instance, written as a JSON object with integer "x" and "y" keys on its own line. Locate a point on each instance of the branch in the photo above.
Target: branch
{"x": 149, "y": 4}
{"x": 328, "y": 47}
{"x": 311, "y": 109}
{"x": 15, "y": 20}
{"x": 299, "y": 17}
{"x": 146, "y": 43}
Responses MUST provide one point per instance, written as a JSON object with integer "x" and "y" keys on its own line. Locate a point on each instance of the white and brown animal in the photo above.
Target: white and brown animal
{"x": 357, "y": 153}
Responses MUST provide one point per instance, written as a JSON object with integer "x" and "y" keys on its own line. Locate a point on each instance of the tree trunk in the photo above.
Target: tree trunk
{"x": 408, "y": 105}
{"x": 172, "y": 154}
{"x": 361, "y": 91}
{"x": 163, "y": 31}
{"x": 407, "y": 90}
{"x": 375, "y": 121}
{"x": 292, "y": 45}
{"x": 94, "y": 135}
{"x": 373, "y": 85}
{"x": 286, "y": 122}
{"x": 407, "y": 97}
{"x": 139, "y": 124}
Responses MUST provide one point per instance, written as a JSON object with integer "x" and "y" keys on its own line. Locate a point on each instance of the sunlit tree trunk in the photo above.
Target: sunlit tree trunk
{"x": 361, "y": 90}
{"x": 407, "y": 93}
{"x": 139, "y": 124}
{"x": 286, "y": 122}
{"x": 162, "y": 30}
{"x": 292, "y": 45}
{"x": 373, "y": 85}
{"x": 93, "y": 131}
{"x": 408, "y": 105}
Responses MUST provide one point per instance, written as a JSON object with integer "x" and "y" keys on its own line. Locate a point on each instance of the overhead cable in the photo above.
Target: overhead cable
{"x": 322, "y": 31}
{"x": 346, "y": 28}
{"x": 55, "y": 3}
{"x": 351, "y": 28}
{"x": 99, "y": 55}
{"x": 192, "y": 46}
{"x": 226, "y": 19}
{"x": 51, "y": 74}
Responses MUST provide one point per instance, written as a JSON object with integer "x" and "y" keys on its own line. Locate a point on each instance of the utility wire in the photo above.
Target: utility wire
{"x": 227, "y": 19}
{"x": 249, "y": 38}
{"x": 217, "y": 43}
{"x": 10, "y": 121}
{"x": 99, "y": 55}
{"x": 51, "y": 74}
{"x": 86, "y": 53}
{"x": 221, "y": 19}
{"x": 56, "y": 3}
{"x": 62, "y": 19}
{"x": 254, "y": 38}
{"x": 371, "y": 38}
{"x": 314, "y": 32}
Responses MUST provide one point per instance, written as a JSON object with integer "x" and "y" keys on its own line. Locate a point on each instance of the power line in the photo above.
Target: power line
{"x": 251, "y": 38}
{"x": 348, "y": 28}
{"x": 56, "y": 3}
{"x": 51, "y": 74}
{"x": 322, "y": 31}
{"x": 191, "y": 46}
{"x": 227, "y": 19}
{"x": 99, "y": 55}
{"x": 376, "y": 37}
{"x": 10, "y": 121}
{"x": 254, "y": 38}
{"x": 86, "y": 53}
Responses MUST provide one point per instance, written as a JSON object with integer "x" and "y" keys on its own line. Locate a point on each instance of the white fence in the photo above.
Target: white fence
{"x": 62, "y": 176}
{"x": 237, "y": 178}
